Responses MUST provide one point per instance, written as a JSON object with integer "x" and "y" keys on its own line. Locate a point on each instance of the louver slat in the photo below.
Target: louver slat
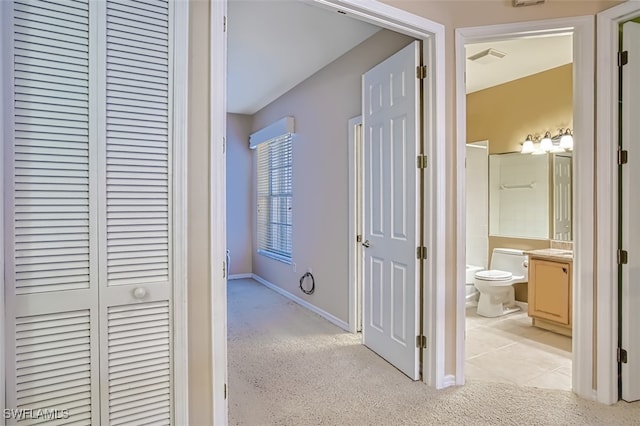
{"x": 139, "y": 363}
{"x": 53, "y": 364}
{"x": 51, "y": 150}
{"x": 137, "y": 143}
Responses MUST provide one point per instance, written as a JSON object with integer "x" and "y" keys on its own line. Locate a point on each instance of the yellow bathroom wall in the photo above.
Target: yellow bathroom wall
{"x": 505, "y": 114}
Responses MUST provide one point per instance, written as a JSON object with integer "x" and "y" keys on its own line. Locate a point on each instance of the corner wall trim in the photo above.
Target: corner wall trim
{"x": 448, "y": 381}
{"x": 239, "y": 276}
{"x": 324, "y": 314}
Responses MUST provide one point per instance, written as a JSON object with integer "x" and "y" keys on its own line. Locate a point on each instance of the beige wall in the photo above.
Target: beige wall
{"x": 199, "y": 295}
{"x": 239, "y": 194}
{"x": 322, "y": 106}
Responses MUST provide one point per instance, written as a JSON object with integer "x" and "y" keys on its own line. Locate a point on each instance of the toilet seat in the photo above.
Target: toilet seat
{"x": 494, "y": 275}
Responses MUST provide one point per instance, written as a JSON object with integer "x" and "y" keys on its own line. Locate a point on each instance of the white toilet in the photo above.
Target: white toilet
{"x": 497, "y": 296}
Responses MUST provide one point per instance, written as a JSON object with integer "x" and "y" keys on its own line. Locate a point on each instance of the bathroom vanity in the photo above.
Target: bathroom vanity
{"x": 550, "y": 289}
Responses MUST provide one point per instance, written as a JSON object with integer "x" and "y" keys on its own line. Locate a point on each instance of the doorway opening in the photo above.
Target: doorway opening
{"x": 516, "y": 88}
{"x": 529, "y": 229}
{"x": 432, "y": 35}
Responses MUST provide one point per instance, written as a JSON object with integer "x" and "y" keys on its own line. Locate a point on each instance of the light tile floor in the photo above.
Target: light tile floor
{"x": 509, "y": 349}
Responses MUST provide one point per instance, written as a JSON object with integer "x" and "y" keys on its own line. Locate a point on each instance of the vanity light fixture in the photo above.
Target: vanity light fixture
{"x": 561, "y": 142}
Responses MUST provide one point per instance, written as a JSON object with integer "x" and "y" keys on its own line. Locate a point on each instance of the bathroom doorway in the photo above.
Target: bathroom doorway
{"x": 516, "y": 200}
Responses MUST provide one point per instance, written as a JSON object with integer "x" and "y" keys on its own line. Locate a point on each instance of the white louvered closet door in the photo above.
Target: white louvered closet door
{"x": 88, "y": 213}
{"x": 51, "y": 281}
{"x": 135, "y": 289}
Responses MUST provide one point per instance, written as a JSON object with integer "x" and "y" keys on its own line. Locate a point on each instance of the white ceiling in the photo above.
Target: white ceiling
{"x": 273, "y": 45}
{"x": 524, "y": 56}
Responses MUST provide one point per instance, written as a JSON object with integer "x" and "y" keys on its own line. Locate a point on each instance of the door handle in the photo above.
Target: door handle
{"x": 366, "y": 243}
{"x": 139, "y": 293}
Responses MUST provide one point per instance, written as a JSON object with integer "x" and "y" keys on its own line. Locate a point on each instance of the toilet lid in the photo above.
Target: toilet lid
{"x": 494, "y": 275}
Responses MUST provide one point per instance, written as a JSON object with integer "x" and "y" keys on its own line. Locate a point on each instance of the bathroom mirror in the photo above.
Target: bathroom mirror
{"x": 530, "y": 196}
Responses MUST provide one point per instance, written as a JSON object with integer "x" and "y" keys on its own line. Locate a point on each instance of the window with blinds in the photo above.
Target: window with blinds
{"x": 275, "y": 198}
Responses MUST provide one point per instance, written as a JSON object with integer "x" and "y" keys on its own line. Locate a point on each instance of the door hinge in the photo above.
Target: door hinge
{"x": 359, "y": 238}
{"x": 623, "y": 58}
{"x": 623, "y": 156}
{"x": 421, "y": 342}
{"x": 623, "y": 257}
{"x": 224, "y": 24}
{"x": 224, "y": 269}
{"x": 421, "y": 71}
{"x": 422, "y": 161}
{"x": 225, "y": 391}
{"x": 421, "y": 252}
{"x": 622, "y": 355}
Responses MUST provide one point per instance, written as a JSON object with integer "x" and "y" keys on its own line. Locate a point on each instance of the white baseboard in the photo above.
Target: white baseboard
{"x": 524, "y": 306}
{"x": 239, "y": 276}
{"x": 313, "y": 308}
{"x": 448, "y": 381}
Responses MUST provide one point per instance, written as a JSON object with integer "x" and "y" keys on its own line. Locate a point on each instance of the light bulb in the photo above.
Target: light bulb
{"x": 545, "y": 144}
{"x": 566, "y": 141}
{"x": 527, "y": 146}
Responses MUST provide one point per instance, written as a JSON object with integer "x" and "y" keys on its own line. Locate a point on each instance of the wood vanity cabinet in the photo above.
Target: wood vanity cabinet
{"x": 550, "y": 294}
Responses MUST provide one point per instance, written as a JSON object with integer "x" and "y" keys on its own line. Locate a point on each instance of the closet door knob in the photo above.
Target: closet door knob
{"x": 139, "y": 293}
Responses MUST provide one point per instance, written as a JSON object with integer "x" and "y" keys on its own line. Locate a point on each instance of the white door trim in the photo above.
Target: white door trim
{"x": 5, "y": 133}
{"x": 217, "y": 208}
{"x": 180, "y": 214}
{"x": 583, "y": 89}
{"x": 434, "y": 47}
{"x": 355, "y": 277}
{"x": 607, "y": 198}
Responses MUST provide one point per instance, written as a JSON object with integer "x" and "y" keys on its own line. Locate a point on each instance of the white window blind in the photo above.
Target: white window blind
{"x": 275, "y": 198}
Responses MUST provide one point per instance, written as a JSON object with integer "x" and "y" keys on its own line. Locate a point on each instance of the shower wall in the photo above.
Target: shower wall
{"x": 477, "y": 204}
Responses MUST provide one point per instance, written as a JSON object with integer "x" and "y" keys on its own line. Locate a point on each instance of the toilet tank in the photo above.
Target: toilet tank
{"x": 510, "y": 260}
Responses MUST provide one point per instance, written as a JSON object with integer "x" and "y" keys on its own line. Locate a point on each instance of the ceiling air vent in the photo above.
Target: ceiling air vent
{"x": 487, "y": 56}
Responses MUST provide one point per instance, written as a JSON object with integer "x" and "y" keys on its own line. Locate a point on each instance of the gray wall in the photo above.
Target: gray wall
{"x": 322, "y": 106}
{"x": 240, "y": 205}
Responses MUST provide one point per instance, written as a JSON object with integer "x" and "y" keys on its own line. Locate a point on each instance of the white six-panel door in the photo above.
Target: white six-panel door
{"x": 88, "y": 212}
{"x": 391, "y": 100}
{"x": 630, "y": 207}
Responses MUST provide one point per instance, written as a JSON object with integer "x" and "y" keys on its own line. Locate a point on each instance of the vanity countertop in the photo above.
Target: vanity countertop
{"x": 554, "y": 253}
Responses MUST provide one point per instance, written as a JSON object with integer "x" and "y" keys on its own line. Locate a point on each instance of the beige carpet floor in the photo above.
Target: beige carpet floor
{"x": 288, "y": 366}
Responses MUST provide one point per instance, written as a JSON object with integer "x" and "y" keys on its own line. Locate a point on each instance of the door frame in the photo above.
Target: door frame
{"x": 218, "y": 208}
{"x": 607, "y": 197}
{"x": 5, "y": 133}
{"x": 377, "y": 13}
{"x": 583, "y": 30}
{"x": 355, "y": 247}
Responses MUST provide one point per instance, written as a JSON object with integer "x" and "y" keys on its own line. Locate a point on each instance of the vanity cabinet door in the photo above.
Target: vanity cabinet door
{"x": 550, "y": 291}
